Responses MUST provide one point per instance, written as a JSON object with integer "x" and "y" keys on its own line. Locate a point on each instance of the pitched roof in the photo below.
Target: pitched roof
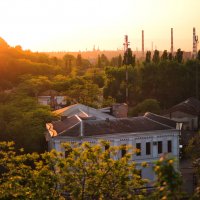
{"x": 80, "y": 108}
{"x": 160, "y": 119}
{"x": 148, "y": 122}
{"x": 190, "y": 106}
{"x": 58, "y": 127}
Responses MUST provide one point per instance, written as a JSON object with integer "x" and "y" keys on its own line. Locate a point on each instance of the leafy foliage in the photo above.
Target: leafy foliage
{"x": 85, "y": 172}
{"x": 23, "y": 120}
{"x": 28, "y": 176}
{"x": 148, "y": 105}
{"x": 92, "y": 173}
{"x": 168, "y": 180}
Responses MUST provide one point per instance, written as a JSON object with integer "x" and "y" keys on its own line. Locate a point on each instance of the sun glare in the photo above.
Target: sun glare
{"x": 77, "y": 25}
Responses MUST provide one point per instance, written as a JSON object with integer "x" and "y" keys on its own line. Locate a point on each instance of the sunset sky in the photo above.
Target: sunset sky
{"x": 73, "y": 25}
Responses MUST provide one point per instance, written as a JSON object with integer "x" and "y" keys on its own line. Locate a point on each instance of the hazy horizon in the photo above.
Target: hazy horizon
{"x": 62, "y": 25}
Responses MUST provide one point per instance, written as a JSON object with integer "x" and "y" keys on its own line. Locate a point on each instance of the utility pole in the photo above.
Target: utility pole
{"x": 126, "y": 44}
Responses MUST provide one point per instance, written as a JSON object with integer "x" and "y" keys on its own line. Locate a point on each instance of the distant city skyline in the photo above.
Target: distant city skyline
{"x": 78, "y": 25}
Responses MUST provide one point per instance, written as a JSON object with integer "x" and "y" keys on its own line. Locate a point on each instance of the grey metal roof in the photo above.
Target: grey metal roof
{"x": 66, "y": 124}
{"x": 148, "y": 122}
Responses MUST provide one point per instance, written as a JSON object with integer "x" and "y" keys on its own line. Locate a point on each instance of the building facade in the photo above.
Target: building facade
{"x": 152, "y": 134}
{"x": 186, "y": 112}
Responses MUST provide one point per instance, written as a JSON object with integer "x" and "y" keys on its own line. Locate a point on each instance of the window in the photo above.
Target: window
{"x": 123, "y": 150}
{"x": 148, "y": 148}
{"x": 169, "y": 146}
{"x": 138, "y": 148}
{"x": 159, "y": 147}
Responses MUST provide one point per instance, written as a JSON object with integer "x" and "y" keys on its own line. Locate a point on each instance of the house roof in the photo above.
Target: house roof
{"x": 190, "y": 106}
{"x": 49, "y": 93}
{"x": 149, "y": 122}
{"x": 160, "y": 119}
{"x": 85, "y": 110}
{"x": 58, "y": 127}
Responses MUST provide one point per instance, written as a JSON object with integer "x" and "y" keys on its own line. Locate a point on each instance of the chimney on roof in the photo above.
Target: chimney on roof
{"x": 120, "y": 110}
{"x": 107, "y": 120}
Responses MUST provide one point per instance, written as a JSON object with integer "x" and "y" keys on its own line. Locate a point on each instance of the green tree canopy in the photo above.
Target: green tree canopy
{"x": 148, "y": 57}
{"x": 164, "y": 55}
{"x": 148, "y": 105}
{"x": 156, "y": 57}
{"x": 179, "y": 56}
{"x": 85, "y": 171}
{"x": 129, "y": 59}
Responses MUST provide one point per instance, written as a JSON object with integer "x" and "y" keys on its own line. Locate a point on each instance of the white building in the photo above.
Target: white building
{"x": 186, "y": 112}
{"x": 154, "y": 135}
{"x": 52, "y": 98}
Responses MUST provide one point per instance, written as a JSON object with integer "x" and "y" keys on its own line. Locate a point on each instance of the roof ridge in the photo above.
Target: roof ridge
{"x": 72, "y": 125}
{"x": 158, "y": 122}
{"x": 160, "y": 116}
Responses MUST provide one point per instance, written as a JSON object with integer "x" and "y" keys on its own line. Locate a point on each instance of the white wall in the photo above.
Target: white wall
{"x": 132, "y": 139}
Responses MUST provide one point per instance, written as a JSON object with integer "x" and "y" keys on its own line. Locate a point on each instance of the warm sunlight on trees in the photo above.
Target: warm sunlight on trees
{"x": 168, "y": 180}
{"x": 84, "y": 171}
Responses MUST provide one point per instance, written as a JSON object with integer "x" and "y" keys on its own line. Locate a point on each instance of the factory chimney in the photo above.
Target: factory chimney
{"x": 142, "y": 43}
{"x": 195, "y": 42}
{"x": 172, "y": 42}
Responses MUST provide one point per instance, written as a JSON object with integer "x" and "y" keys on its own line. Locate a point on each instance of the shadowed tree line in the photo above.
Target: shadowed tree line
{"x": 157, "y": 83}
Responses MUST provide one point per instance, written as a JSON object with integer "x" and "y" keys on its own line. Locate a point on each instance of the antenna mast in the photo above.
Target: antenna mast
{"x": 126, "y": 44}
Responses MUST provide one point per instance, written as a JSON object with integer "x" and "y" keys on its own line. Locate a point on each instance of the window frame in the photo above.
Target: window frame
{"x": 140, "y": 147}
{"x": 169, "y": 146}
{"x": 160, "y": 147}
{"x": 148, "y": 148}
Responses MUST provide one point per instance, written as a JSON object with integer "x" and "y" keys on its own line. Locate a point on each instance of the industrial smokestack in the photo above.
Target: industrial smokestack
{"x": 172, "y": 42}
{"x": 195, "y": 42}
{"x": 142, "y": 42}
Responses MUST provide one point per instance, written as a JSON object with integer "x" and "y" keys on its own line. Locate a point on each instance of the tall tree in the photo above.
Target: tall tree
{"x": 179, "y": 55}
{"x": 128, "y": 58}
{"x": 99, "y": 65}
{"x": 148, "y": 57}
{"x": 164, "y": 55}
{"x": 119, "y": 60}
{"x": 198, "y": 55}
{"x": 104, "y": 60}
{"x": 156, "y": 57}
{"x": 79, "y": 60}
{"x": 69, "y": 62}
{"x": 170, "y": 56}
